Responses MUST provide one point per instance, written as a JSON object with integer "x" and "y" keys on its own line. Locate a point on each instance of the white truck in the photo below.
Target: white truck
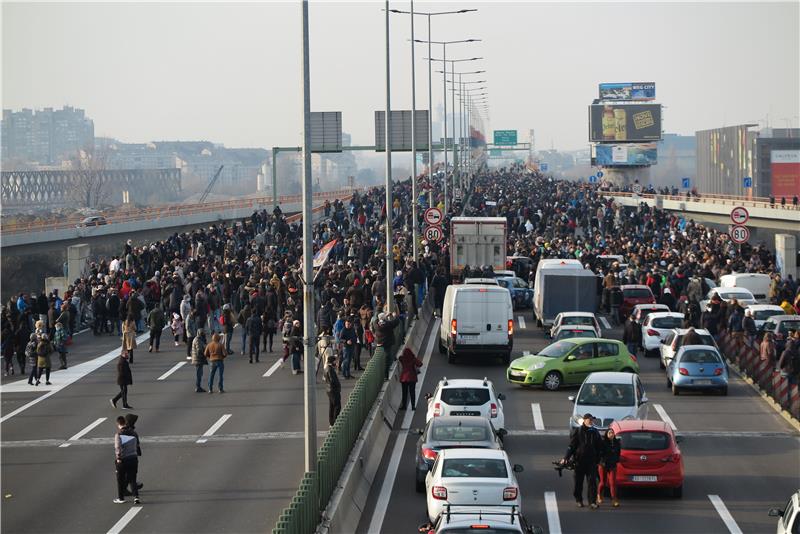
{"x": 477, "y": 241}
{"x": 562, "y": 285}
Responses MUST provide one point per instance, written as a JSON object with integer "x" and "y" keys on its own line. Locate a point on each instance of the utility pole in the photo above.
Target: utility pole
{"x": 389, "y": 258}
{"x": 415, "y": 224}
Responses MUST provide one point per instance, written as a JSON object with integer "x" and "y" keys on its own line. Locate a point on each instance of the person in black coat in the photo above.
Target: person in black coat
{"x": 586, "y": 449}
{"x": 124, "y": 379}
{"x": 334, "y": 389}
{"x": 632, "y": 335}
{"x": 607, "y": 469}
{"x": 254, "y": 327}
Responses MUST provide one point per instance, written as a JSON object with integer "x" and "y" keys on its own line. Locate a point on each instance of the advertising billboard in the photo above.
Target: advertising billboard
{"x": 627, "y": 155}
{"x": 624, "y": 122}
{"x": 628, "y": 91}
{"x": 785, "y": 166}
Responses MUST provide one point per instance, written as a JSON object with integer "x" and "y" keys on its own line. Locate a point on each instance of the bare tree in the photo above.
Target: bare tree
{"x": 90, "y": 185}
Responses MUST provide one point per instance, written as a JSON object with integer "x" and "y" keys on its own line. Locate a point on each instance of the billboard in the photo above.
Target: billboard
{"x": 624, "y": 122}
{"x": 400, "y": 134}
{"x": 628, "y": 91}
{"x": 627, "y": 154}
{"x": 785, "y": 166}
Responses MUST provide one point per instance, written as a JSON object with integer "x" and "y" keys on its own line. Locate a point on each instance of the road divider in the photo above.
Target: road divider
{"x": 83, "y": 432}
{"x": 172, "y": 370}
{"x": 725, "y": 515}
{"x": 216, "y": 426}
{"x": 662, "y": 413}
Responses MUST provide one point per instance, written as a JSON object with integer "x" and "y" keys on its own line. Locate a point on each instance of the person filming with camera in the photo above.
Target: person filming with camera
{"x": 585, "y": 450}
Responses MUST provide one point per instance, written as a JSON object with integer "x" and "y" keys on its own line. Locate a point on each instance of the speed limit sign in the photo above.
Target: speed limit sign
{"x": 739, "y": 234}
{"x": 433, "y": 216}
{"x": 433, "y": 233}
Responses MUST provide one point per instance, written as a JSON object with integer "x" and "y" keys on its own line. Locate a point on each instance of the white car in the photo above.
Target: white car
{"x": 656, "y": 327}
{"x": 575, "y": 319}
{"x": 468, "y": 397}
{"x": 471, "y": 476}
{"x": 674, "y": 341}
{"x": 641, "y": 311}
{"x": 789, "y": 522}
{"x": 477, "y": 518}
{"x": 609, "y": 397}
{"x": 762, "y": 312}
{"x": 742, "y": 295}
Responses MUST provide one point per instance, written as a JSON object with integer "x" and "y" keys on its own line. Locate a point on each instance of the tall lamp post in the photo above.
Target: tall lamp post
{"x": 462, "y": 104}
{"x": 387, "y": 129}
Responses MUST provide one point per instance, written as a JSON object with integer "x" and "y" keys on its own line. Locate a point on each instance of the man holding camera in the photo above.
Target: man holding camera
{"x": 585, "y": 449}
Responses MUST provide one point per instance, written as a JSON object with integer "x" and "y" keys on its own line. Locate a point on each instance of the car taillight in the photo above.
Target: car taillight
{"x": 675, "y": 458}
{"x": 683, "y": 371}
{"x": 511, "y": 327}
{"x": 453, "y": 329}
{"x": 494, "y": 410}
{"x": 429, "y": 454}
{"x": 509, "y": 494}
{"x": 437, "y": 409}
{"x": 718, "y": 371}
{"x": 651, "y": 332}
{"x": 439, "y": 492}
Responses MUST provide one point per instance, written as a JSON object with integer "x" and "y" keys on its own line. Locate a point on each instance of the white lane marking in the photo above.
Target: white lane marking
{"x": 64, "y": 378}
{"x": 605, "y": 323}
{"x": 521, "y": 321}
{"x": 387, "y": 485}
{"x": 210, "y": 432}
{"x": 538, "y": 422}
{"x": 274, "y": 368}
{"x": 83, "y": 432}
{"x": 664, "y": 417}
{"x": 726, "y": 516}
{"x": 551, "y": 504}
{"x": 172, "y": 370}
{"x": 123, "y": 522}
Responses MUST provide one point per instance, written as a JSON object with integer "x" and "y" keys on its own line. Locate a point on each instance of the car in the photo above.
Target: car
{"x": 569, "y": 361}
{"x": 93, "y": 220}
{"x": 576, "y": 319}
{"x": 789, "y": 517}
{"x": 609, "y": 397}
{"x": 743, "y": 296}
{"x": 698, "y": 368}
{"x": 674, "y": 341}
{"x": 477, "y": 320}
{"x": 468, "y": 397}
{"x": 641, "y": 311}
{"x": 762, "y": 312}
{"x": 649, "y": 456}
{"x": 521, "y": 294}
{"x": 471, "y": 476}
{"x": 451, "y": 432}
{"x": 567, "y": 332}
{"x": 656, "y": 327}
{"x": 757, "y": 283}
{"x": 780, "y": 326}
{"x": 633, "y": 294}
{"x": 479, "y": 518}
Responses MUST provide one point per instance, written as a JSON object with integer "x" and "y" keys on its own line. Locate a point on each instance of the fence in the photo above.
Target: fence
{"x": 728, "y": 200}
{"x": 762, "y": 373}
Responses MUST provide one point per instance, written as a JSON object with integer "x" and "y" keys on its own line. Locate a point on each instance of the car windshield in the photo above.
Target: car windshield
{"x": 465, "y": 396}
{"x": 700, "y": 356}
{"x": 557, "y": 349}
{"x": 639, "y": 293}
{"x": 644, "y": 441}
{"x": 451, "y": 432}
{"x": 578, "y": 320}
{"x": 763, "y": 315}
{"x": 667, "y": 322}
{"x": 568, "y": 333}
{"x": 474, "y": 468}
{"x": 786, "y": 326}
{"x": 606, "y": 395}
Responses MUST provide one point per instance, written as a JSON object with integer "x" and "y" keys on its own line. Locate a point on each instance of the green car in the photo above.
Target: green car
{"x": 569, "y": 362}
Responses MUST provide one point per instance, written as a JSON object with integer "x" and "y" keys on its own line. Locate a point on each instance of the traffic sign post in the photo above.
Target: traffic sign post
{"x": 747, "y": 182}
{"x": 637, "y": 189}
{"x": 433, "y": 233}
{"x": 740, "y": 215}
{"x": 593, "y": 179}
{"x": 544, "y": 167}
{"x": 739, "y": 234}
{"x": 505, "y": 137}
{"x": 685, "y": 183}
{"x": 599, "y": 174}
{"x": 432, "y": 216}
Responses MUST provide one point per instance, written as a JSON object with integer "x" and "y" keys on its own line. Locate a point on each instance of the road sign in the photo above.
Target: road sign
{"x": 495, "y": 153}
{"x": 599, "y": 174}
{"x": 637, "y": 188}
{"x": 433, "y": 233}
{"x": 739, "y": 215}
{"x": 432, "y": 216}
{"x": 747, "y": 181}
{"x": 686, "y": 183}
{"x": 740, "y": 234}
{"x": 593, "y": 179}
{"x": 505, "y": 137}
{"x": 544, "y": 167}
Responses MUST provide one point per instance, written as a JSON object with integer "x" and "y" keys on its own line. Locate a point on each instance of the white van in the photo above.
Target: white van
{"x": 543, "y": 268}
{"x": 476, "y": 319}
{"x": 757, "y": 283}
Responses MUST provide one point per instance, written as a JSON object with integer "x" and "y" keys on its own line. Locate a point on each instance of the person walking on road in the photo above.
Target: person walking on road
{"x": 228, "y": 322}
{"x": 410, "y": 365}
{"x": 607, "y": 468}
{"x": 191, "y": 332}
{"x": 155, "y": 322}
{"x": 129, "y": 337}
{"x": 334, "y": 389}
{"x": 31, "y": 358}
{"x": 586, "y": 448}
{"x": 60, "y": 344}
{"x": 199, "y": 358}
{"x": 124, "y": 379}
{"x": 348, "y": 339}
{"x": 253, "y": 327}
{"x": 127, "y": 452}
{"x": 43, "y": 351}
{"x": 296, "y": 346}
{"x": 215, "y": 353}
{"x": 632, "y": 335}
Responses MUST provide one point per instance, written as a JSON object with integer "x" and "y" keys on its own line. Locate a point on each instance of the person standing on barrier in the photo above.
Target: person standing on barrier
{"x": 409, "y": 369}
{"x": 333, "y": 388}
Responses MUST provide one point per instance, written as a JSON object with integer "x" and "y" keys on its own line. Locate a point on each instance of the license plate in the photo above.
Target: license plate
{"x": 465, "y": 413}
{"x": 702, "y": 382}
{"x": 644, "y": 478}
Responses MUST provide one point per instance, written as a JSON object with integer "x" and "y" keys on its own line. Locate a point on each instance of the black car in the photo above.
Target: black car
{"x": 447, "y": 432}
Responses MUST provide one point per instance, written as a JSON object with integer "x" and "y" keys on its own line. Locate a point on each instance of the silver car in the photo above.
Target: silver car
{"x": 609, "y": 397}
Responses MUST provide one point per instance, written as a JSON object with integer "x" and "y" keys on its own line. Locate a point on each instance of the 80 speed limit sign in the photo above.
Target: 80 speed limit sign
{"x": 433, "y": 233}
{"x": 739, "y": 234}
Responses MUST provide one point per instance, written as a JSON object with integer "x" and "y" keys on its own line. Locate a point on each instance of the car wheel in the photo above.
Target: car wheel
{"x": 678, "y": 492}
{"x": 724, "y": 391}
{"x": 552, "y": 381}
{"x": 675, "y": 390}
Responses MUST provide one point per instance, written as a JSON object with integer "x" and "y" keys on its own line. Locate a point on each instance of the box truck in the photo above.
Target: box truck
{"x": 477, "y": 241}
{"x": 562, "y": 286}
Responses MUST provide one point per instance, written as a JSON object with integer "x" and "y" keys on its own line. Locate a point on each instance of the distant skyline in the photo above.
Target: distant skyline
{"x": 230, "y": 73}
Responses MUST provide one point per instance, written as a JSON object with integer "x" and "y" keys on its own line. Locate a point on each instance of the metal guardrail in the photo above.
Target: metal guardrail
{"x": 161, "y": 212}
{"x": 750, "y": 202}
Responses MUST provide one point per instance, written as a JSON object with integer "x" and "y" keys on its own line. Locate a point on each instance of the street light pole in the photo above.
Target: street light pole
{"x": 309, "y": 385}
{"x": 387, "y": 129}
{"x": 430, "y": 120}
{"x": 453, "y": 96}
{"x": 444, "y": 122}
{"x": 415, "y": 224}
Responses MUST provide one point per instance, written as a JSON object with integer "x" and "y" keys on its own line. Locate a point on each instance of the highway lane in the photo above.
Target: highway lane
{"x": 735, "y": 447}
{"x": 237, "y": 481}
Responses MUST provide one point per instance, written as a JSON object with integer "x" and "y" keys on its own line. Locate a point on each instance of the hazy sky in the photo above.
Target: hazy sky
{"x": 230, "y": 73}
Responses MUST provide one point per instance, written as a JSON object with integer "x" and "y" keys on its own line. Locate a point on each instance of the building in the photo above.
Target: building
{"x": 777, "y": 167}
{"x": 46, "y": 136}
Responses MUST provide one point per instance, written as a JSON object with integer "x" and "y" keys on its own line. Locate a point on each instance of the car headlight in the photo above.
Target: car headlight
{"x": 536, "y": 366}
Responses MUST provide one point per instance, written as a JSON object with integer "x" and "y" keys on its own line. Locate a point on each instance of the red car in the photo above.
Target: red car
{"x": 633, "y": 294}
{"x": 650, "y": 456}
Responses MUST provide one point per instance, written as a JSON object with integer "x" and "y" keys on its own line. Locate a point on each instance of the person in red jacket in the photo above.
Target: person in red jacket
{"x": 409, "y": 367}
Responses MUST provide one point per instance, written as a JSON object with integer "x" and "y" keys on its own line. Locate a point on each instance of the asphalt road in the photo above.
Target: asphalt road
{"x": 736, "y": 448}
{"x": 239, "y": 480}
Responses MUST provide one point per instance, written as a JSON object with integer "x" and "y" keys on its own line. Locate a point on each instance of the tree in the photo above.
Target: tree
{"x": 90, "y": 183}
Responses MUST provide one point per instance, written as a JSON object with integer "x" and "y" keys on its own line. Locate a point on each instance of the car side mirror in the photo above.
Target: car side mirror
{"x": 517, "y": 468}
{"x": 775, "y": 512}
{"x": 571, "y": 398}
{"x": 501, "y": 397}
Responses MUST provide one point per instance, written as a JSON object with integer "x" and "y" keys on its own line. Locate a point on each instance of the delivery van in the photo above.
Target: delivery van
{"x": 757, "y": 283}
{"x": 541, "y": 307}
{"x": 477, "y": 320}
